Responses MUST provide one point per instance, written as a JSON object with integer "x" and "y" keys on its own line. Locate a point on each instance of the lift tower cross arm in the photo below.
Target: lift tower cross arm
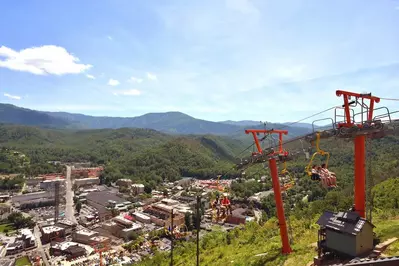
{"x": 280, "y": 133}
{"x": 346, "y": 95}
{"x": 360, "y": 146}
{"x": 286, "y": 248}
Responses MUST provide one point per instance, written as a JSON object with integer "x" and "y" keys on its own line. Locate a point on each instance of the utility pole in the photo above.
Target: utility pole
{"x": 56, "y": 200}
{"x": 172, "y": 236}
{"x": 198, "y": 226}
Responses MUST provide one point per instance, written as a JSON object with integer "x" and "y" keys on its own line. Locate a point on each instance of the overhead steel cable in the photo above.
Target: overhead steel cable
{"x": 389, "y": 99}
{"x": 319, "y": 113}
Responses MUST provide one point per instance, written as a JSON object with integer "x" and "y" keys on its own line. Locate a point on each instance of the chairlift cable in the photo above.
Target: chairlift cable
{"x": 316, "y": 114}
{"x": 389, "y": 99}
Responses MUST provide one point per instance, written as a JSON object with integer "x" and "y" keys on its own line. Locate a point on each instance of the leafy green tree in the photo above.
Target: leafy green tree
{"x": 147, "y": 189}
{"x": 78, "y": 206}
{"x": 188, "y": 221}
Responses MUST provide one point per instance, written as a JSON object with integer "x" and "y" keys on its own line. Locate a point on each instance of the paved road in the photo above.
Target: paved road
{"x": 69, "y": 208}
{"x": 37, "y": 234}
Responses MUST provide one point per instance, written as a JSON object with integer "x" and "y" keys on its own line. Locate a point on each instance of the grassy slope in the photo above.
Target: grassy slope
{"x": 255, "y": 239}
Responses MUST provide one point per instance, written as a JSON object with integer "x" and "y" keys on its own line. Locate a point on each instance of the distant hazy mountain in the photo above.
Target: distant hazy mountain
{"x": 169, "y": 122}
{"x": 305, "y": 125}
{"x": 12, "y": 114}
{"x": 242, "y": 123}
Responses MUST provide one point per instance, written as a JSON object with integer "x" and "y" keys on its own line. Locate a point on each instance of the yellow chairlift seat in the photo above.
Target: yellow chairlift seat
{"x": 318, "y": 152}
{"x": 286, "y": 179}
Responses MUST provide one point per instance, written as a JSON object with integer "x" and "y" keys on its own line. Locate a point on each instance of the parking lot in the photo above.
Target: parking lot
{"x": 44, "y": 213}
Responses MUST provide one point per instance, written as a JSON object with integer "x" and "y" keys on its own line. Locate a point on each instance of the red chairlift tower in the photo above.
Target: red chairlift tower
{"x": 286, "y": 248}
{"x": 359, "y": 142}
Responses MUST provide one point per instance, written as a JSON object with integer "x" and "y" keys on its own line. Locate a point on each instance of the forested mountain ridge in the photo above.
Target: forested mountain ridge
{"x": 140, "y": 154}
{"x": 16, "y": 115}
{"x": 169, "y": 122}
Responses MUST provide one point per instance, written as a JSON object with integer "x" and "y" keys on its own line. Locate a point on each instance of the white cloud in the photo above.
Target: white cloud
{"x": 131, "y": 92}
{"x": 134, "y": 79}
{"x": 109, "y": 38}
{"x": 46, "y": 59}
{"x": 113, "y": 82}
{"x": 15, "y": 97}
{"x": 90, "y": 76}
{"x": 151, "y": 76}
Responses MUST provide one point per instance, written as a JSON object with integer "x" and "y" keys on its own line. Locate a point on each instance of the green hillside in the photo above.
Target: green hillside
{"x": 141, "y": 154}
{"x": 260, "y": 244}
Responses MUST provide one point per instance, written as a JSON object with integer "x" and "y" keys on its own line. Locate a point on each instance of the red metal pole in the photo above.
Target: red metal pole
{"x": 280, "y": 145}
{"x": 347, "y": 112}
{"x": 257, "y": 142}
{"x": 360, "y": 174}
{"x": 279, "y": 207}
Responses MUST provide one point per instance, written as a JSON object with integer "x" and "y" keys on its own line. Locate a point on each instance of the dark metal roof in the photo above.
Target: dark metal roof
{"x": 102, "y": 197}
{"x": 324, "y": 218}
{"x": 75, "y": 249}
{"x": 390, "y": 261}
{"x": 345, "y": 222}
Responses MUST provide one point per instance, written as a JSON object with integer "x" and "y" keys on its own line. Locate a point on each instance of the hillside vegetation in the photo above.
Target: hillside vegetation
{"x": 242, "y": 245}
{"x": 141, "y": 154}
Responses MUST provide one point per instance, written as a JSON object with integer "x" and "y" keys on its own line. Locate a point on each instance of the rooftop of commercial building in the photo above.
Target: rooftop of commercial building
{"x": 134, "y": 226}
{"x": 87, "y": 232}
{"x": 99, "y": 238}
{"x": 170, "y": 201}
{"x": 51, "y": 229}
{"x": 63, "y": 245}
{"x": 163, "y": 206}
{"x": 141, "y": 215}
{"x": 27, "y": 233}
{"x": 66, "y": 222}
{"x": 102, "y": 197}
{"x": 122, "y": 220}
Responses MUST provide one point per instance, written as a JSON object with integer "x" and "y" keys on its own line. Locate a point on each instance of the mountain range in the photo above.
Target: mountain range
{"x": 168, "y": 122}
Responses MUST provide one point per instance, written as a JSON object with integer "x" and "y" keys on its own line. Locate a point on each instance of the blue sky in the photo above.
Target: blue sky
{"x": 212, "y": 59}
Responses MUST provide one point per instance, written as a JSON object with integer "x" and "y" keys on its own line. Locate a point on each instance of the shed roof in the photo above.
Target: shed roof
{"x": 345, "y": 222}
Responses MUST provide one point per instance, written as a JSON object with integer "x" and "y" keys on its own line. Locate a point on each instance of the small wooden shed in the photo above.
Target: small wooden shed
{"x": 345, "y": 233}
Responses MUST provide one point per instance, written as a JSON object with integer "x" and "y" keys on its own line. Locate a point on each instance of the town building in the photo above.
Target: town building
{"x": 185, "y": 182}
{"x": 345, "y": 233}
{"x": 141, "y": 217}
{"x": 122, "y": 227}
{"x": 50, "y": 233}
{"x": 5, "y": 211}
{"x": 31, "y": 200}
{"x": 50, "y": 184}
{"x": 137, "y": 189}
{"x": 84, "y": 236}
{"x": 70, "y": 250}
{"x": 90, "y": 181}
{"x": 4, "y": 197}
{"x": 14, "y": 248}
{"x": 27, "y": 238}
{"x": 7, "y": 262}
{"x": 170, "y": 202}
{"x": 160, "y": 214}
{"x": 102, "y": 201}
{"x": 124, "y": 183}
{"x": 68, "y": 225}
